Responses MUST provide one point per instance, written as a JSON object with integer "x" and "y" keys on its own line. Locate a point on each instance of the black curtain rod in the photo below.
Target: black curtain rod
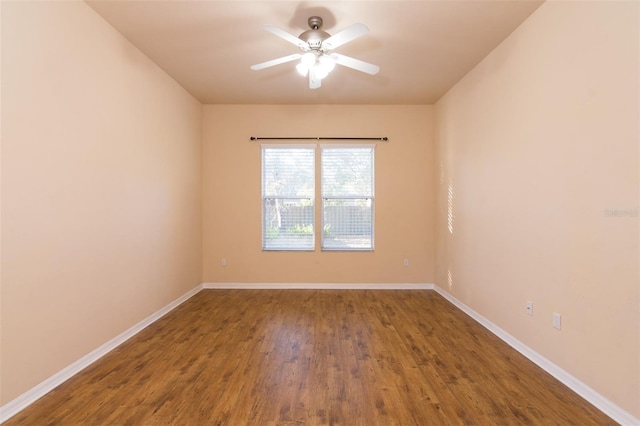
{"x": 253, "y": 138}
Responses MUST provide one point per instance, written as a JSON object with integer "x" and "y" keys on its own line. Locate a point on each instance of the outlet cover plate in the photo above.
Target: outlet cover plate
{"x": 557, "y": 321}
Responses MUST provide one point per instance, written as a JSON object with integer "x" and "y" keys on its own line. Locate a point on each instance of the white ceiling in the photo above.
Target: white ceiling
{"x": 422, "y": 47}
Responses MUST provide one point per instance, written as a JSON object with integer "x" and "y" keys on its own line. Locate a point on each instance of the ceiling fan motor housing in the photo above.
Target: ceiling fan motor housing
{"x": 314, "y": 37}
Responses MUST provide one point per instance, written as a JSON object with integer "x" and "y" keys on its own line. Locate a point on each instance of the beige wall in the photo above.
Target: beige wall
{"x": 539, "y": 145}
{"x": 101, "y": 188}
{"x": 404, "y": 194}
{"x": 105, "y": 186}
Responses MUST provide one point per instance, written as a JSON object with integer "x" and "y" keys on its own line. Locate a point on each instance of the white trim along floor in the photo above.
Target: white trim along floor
{"x": 609, "y": 408}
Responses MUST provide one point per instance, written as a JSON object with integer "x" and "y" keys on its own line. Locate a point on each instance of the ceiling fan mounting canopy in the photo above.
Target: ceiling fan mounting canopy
{"x": 315, "y": 22}
{"x": 317, "y": 59}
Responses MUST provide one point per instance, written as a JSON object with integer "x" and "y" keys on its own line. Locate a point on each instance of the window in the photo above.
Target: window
{"x": 288, "y": 193}
{"x": 288, "y": 190}
{"x": 347, "y": 198}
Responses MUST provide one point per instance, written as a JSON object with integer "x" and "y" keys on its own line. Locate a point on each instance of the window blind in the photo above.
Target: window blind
{"x": 347, "y": 198}
{"x": 288, "y": 192}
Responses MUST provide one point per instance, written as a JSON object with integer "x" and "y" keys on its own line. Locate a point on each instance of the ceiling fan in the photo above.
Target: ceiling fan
{"x": 317, "y": 59}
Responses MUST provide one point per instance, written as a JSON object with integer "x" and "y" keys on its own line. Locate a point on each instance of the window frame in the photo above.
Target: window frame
{"x": 318, "y": 193}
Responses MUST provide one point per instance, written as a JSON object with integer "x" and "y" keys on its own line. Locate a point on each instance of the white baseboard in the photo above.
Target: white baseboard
{"x": 320, "y": 286}
{"x": 12, "y": 408}
{"x": 597, "y": 400}
{"x": 609, "y": 408}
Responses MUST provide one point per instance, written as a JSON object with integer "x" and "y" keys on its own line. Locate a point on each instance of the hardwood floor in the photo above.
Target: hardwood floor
{"x": 307, "y": 357}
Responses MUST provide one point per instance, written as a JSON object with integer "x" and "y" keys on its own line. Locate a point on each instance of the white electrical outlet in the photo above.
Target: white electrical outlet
{"x": 406, "y": 262}
{"x": 529, "y": 307}
{"x": 557, "y": 321}
{"x": 223, "y": 262}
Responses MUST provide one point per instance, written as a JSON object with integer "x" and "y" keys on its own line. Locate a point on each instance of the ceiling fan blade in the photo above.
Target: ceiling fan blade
{"x": 277, "y": 61}
{"x": 356, "y": 64}
{"x": 345, "y": 36}
{"x": 286, "y": 36}
{"x": 314, "y": 82}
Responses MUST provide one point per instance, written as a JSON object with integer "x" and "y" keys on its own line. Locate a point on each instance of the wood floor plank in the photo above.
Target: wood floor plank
{"x": 313, "y": 357}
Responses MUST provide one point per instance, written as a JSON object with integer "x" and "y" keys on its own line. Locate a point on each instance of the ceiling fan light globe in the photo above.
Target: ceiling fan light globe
{"x": 308, "y": 59}
{"x": 303, "y": 69}
{"x": 319, "y": 72}
{"x": 327, "y": 63}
